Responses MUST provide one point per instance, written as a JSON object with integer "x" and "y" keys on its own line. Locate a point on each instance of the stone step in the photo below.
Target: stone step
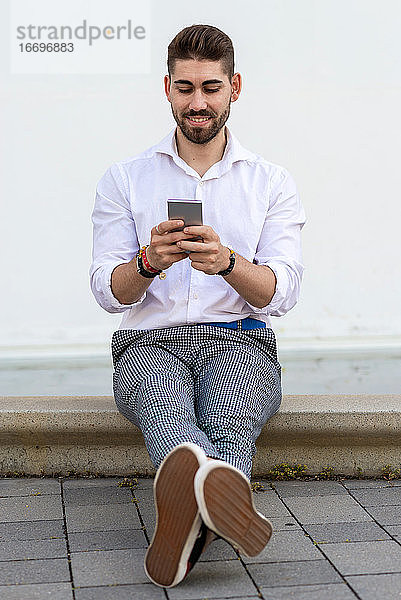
{"x": 353, "y": 434}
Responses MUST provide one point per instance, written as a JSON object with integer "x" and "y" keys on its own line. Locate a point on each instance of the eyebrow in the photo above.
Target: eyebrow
{"x": 187, "y": 82}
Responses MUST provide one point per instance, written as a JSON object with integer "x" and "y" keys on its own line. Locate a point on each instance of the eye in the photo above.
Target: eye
{"x": 184, "y": 91}
{"x": 211, "y": 90}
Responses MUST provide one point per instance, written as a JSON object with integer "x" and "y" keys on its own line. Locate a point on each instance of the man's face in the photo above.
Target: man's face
{"x": 200, "y": 94}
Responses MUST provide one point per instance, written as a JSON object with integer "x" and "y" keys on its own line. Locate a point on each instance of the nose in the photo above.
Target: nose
{"x": 198, "y": 101}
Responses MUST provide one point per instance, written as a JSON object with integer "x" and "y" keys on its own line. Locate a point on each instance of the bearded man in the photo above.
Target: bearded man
{"x": 195, "y": 357}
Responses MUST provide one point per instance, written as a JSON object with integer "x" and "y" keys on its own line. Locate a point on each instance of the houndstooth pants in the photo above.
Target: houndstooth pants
{"x": 209, "y": 385}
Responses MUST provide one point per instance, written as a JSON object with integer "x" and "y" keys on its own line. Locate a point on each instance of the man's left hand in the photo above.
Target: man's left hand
{"x": 208, "y": 256}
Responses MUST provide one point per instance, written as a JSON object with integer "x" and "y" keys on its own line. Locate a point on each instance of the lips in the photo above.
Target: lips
{"x": 198, "y": 121}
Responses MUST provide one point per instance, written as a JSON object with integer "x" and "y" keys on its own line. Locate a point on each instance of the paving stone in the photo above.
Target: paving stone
{"x": 270, "y": 505}
{"x": 108, "y": 567}
{"x": 332, "y": 591}
{"x": 31, "y": 530}
{"x": 327, "y": 509}
{"x": 303, "y": 572}
{"x": 394, "y": 530}
{"x": 217, "y": 579}
{"x": 107, "y": 540}
{"x": 359, "y": 558}
{"x": 73, "y": 484}
{"x": 35, "y": 571}
{"x": 30, "y": 508}
{"x": 24, "y": 550}
{"x": 386, "y": 515}
{"x": 31, "y": 486}
{"x": 139, "y": 591}
{"x": 381, "y": 497}
{"x": 38, "y": 591}
{"x": 286, "y": 489}
{"x": 146, "y": 508}
{"x": 286, "y": 546}
{"x": 347, "y": 532}
{"x": 376, "y": 587}
{"x": 110, "y": 517}
{"x": 356, "y": 484}
{"x": 284, "y": 523}
{"x": 97, "y": 495}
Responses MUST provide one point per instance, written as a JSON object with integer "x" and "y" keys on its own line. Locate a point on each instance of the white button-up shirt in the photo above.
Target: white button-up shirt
{"x": 250, "y": 203}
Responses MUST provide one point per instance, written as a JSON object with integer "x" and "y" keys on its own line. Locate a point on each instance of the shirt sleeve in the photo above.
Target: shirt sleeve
{"x": 279, "y": 245}
{"x": 115, "y": 240}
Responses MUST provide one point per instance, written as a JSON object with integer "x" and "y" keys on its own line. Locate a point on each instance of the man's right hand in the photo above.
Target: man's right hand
{"x": 163, "y": 250}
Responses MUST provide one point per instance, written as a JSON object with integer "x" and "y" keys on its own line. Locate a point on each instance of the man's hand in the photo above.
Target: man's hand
{"x": 163, "y": 250}
{"x": 208, "y": 256}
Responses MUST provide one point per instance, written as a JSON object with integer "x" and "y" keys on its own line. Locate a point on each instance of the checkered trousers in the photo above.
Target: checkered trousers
{"x": 209, "y": 385}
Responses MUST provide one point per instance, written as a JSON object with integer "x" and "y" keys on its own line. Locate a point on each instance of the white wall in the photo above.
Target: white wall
{"x": 321, "y": 96}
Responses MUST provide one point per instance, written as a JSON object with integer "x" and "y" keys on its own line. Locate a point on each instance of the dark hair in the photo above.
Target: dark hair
{"x": 202, "y": 42}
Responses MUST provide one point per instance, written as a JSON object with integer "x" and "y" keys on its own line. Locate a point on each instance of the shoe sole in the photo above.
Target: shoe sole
{"x": 177, "y": 516}
{"x": 226, "y": 505}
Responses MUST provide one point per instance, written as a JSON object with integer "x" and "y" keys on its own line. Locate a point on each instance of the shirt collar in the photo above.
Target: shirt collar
{"x": 233, "y": 152}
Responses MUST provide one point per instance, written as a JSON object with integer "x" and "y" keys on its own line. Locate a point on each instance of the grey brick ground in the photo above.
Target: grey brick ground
{"x": 379, "y": 497}
{"x": 346, "y": 532}
{"x": 326, "y": 509}
{"x": 359, "y": 558}
{"x": 38, "y": 591}
{"x": 394, "y": 530}
{"x": 375, "y": 587}
{"x": 386, "y": 515}
{"x": 331, "y": 591}
{"x": 357, "y": 484}
{"x": 339, "y": 540}
{"x": 306, "y": 488}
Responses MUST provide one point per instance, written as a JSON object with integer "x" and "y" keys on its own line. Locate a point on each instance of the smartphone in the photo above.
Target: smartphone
{"x": 190, "y": 211}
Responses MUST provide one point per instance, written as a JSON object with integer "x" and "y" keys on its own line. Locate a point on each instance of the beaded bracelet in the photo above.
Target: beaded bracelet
{"x": 146, "y": 262}
{"x": 231, "y": 265}
{"x": 140, "y": 265}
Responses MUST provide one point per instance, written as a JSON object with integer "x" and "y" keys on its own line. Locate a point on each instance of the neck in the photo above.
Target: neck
{"x": 201, "y": 156}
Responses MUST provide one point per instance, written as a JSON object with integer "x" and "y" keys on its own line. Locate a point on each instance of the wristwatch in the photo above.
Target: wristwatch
{"x": 230, "y": 266}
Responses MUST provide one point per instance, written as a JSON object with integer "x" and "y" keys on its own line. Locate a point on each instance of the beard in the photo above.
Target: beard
{"x": 201, "y": 135}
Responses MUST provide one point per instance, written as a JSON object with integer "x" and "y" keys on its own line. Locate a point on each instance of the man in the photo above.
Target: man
{"x": 195, "y": 360}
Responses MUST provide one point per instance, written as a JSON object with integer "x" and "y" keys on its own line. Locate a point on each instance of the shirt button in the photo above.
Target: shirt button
{"x": 195, "y": 296}
{"x": 201, "y": 183}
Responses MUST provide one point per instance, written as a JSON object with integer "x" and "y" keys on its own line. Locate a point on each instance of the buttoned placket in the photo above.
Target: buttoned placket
{"x": 214, "y": 171}
{"x": 195, "y": 276}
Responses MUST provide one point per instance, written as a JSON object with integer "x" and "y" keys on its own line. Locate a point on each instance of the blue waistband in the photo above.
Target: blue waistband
{"x": 247, "y": 323}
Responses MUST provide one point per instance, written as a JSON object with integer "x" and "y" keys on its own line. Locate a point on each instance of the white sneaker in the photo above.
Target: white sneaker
{"x": 179, "y": 530}
{"x": 225, "y": 501}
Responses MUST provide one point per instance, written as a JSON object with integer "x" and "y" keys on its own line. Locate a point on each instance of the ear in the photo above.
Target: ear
{"x": 236, "y": 86}
{"x": 167, "y": 87}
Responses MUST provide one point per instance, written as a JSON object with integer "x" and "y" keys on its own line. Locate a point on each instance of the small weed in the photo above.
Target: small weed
{"x": 389, "y": 473}
{"x": 285, "y": 472}
{"x": 128, "y": 483}
{"x": 257, "y": 487}
{"x": 326, "y": 473}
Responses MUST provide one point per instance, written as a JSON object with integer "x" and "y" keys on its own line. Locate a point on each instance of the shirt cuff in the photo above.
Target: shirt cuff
{"x": 281, "y": 291}
{"x": 110, "y": 300}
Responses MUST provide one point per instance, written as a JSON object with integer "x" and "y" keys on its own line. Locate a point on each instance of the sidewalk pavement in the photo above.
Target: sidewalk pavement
{"x": 85, "y": 539}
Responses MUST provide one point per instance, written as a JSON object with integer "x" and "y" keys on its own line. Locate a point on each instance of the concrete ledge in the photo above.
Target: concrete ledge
{"x": 87, "y": 434}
